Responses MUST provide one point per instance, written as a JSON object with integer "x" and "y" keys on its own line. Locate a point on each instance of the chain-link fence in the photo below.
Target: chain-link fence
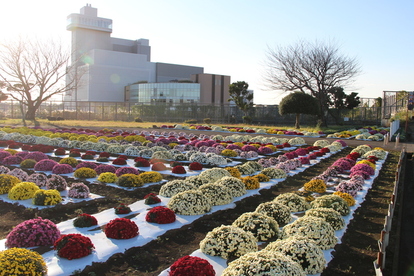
{"x": 176, "y": 113}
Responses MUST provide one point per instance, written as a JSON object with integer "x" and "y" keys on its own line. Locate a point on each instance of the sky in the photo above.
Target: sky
{"x": 232, "y": 37}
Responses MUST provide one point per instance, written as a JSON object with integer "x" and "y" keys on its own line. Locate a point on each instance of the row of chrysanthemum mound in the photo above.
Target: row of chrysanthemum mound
{"x": 246, "y": 130}
{"x": 196, "y": 195}
{"x": 366, "y": 133}
{"x": 132, "y": 144}
{"x": 43, "y": 232}
{"x": 298, "y": 251}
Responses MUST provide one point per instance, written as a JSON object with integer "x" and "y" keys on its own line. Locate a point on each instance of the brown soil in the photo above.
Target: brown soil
{"x": 353, "y": 256}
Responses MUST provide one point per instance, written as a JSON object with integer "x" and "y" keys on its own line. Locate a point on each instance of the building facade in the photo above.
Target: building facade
{"x": 116, "y": 70}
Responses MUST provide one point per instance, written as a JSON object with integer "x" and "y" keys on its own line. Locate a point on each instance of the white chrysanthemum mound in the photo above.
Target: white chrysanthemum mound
{"x": 216, "y": 160}
{"x": 196, "y": 180}
{"x": 176, "y": 186}
{"x": 380, "y": 154}
{"x": 316, "y": 229}
{"x": 162, "y": 154}
{"x": 245, "y": 169}
{"x": 255, "y": 165}
{"x": 321, "y": 143}
{"x": 361, "y": 149}
{"x": 235, "y": 186}
{"x": 214, "y": 174}
{"x": 332, "y": 201}
{"x": 190, "y": 203}
{"x": 303, "y": 251}
{"x": 333, "y": 148}
{"x": 228, "y": 242}
{"x": 293, "y": 201}
{"x": 279, "y": 212}
{"x": 199, "y": 157}
{"x": 260, "y": 225}
{"x": 274, "y": 173}
{"x": 297, "y": 141}
{"x": 217, "y": 193}
{"x": 331, "y": 216}
{"x": 263, "y": 263}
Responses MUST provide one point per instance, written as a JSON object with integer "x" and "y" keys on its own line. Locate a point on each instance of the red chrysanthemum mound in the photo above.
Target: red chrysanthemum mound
{"x": 195, "y": 166}
{"x": 152, "y": 198}
{"x": 160, "y": 215}
{"x": 73, "y": 246}
{"x": 85, "y": 220}
{"x": 190, "y": 266}
{"x": 121, "y": 228}
{"x": 122, "y": 208}
{"x": 179, "y": 170}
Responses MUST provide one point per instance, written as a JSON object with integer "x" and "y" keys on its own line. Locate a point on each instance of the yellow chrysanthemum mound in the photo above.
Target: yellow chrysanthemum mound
{"x": 46, "y": 197}
{"x": 21, "y": 261}
{"x": 7, "y": 182}
{"x": 315, "y": 185}
{"x": 347, "y": 197}
{"x": 23, "y": 190}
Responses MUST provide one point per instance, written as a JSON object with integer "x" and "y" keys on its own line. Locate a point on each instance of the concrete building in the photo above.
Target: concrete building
{"x": 117, "y": 70}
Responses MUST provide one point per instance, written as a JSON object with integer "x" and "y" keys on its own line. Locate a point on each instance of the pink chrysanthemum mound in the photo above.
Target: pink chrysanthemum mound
{"x": 33, "y": 232}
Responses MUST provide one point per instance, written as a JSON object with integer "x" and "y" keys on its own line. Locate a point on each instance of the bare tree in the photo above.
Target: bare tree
{"x": 33, "y": 71}
{"x": 314, "y": 68}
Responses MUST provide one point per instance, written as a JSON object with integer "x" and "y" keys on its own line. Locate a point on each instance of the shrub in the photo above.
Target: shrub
{"x": 19, "y": 261}
{"x": 160, "y": 215}
{"x": 207, "y": 120}
{"x": 190, "y": 121}
{"x": 150, "y": 177}
{"x": 105, "y": 168}
{"x": 62, "y": 169}
{"x": 190, "y": 203}
{"x": 78, "y": 190}
{"x": 84, "y": 220}
{"x": 107, "y": 177}
{"x": 151, "y": 198}
{"x": 45, "y": 165}
{"x": 85, "y": 173}
{"x": 33, "y": 232}
{"x": 23, "y": 190}
{"x": 121, "y": 228}
{"x": 39, "y": 179}
{"x": 315, "y": 185}
{"x": 56, "y": 182}
{"x": 260, "y": 225}
{"x": 7, "y": 182}
{"x": 129, "y": 180}
{"x": 73, "y": 246}
{"x": 46, "y": 197}
{"x": 28, "y": 164}
{"x": 122, "y": 208}
{"x": 265, "y": 263}
{"x": 126, "y": 170}
{"x": 191, "y": 265}
{"x": 69, "y": 160}
{"x": 228, "y": 242}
